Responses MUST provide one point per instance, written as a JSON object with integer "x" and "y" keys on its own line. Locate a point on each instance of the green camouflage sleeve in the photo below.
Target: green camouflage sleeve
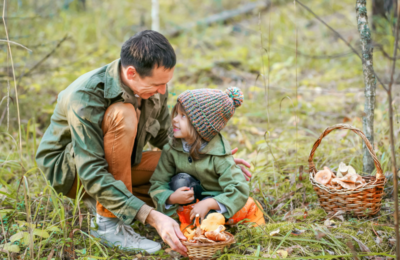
{"x": 160, "y": 190}
{"x": 85, "y": 115}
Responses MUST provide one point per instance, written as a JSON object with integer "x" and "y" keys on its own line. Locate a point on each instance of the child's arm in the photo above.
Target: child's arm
{"x": 234, "y": 185}
{"x": 203, "y": 207}
{"x": 160, "y": 190}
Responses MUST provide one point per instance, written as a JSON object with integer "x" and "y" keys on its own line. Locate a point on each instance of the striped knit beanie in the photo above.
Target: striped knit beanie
{"x": 210, "y": 109}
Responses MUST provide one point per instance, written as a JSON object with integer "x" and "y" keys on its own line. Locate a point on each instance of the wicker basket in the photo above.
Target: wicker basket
{"x": 362, "y": 201}
{"x": 198, "y": 251}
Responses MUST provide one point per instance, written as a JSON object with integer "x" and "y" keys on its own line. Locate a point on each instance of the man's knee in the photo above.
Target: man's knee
{"x": 121, "y": 117}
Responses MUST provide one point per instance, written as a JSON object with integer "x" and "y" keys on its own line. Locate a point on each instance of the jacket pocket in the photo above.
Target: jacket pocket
{"x": 152, "y": 127}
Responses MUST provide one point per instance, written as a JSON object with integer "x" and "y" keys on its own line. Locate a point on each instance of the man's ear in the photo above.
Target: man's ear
{"x": 131, "y": 73}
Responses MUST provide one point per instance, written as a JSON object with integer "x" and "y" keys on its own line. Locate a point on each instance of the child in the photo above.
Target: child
{"x": 197, "y": 163}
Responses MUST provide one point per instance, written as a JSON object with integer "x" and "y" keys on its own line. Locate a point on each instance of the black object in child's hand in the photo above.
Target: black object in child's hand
{"x": 186, "y": 180}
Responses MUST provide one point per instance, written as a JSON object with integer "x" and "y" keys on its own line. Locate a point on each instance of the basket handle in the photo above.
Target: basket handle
{"x": 379, "y": 172}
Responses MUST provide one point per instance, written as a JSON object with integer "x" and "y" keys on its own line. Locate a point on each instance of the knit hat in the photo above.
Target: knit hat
{"x": 210, "y": 109}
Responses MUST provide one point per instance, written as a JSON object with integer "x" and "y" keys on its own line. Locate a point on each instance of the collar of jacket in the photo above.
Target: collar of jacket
{"x": 113, "y": 86}
{"x": 218, "y": 146}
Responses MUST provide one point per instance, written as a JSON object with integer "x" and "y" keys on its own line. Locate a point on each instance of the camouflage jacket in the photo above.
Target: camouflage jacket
{"x": 73, "y": 143}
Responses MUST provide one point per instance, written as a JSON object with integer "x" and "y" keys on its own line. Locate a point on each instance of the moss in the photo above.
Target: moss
{"x": 362, "y": 10}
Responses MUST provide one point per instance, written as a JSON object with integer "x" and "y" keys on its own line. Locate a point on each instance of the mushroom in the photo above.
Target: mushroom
{"x": 212, "y": 222}
{"x": 324, "y": 176}
{"x": 203, "y": 239}
{"x": 189, "y": 233}
{"x": 216, "y": 235}
{"x": 344, "y": 170}
{"x": 198, "y": 231}
{"x": 345, "y": 185}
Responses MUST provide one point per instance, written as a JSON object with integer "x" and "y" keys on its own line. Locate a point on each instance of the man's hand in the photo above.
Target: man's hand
{"x": 203, "y": 207}
{"x": 246, "y": 172}
{"x": 183, "y": 195}
{"x": 168, "y": 229}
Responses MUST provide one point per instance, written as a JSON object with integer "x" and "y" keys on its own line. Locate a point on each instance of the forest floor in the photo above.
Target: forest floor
{"x": 290, "y": 98}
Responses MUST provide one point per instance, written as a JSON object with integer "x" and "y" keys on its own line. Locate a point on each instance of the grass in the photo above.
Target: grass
{"x": 274, "y": 129}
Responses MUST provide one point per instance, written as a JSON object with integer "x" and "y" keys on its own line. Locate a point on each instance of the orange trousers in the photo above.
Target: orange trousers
{"x": 119, "y": 129}
{"x": 250, "y": 213}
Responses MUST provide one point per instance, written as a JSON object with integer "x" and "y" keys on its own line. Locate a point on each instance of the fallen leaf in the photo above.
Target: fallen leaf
{"x": 290, "y": 249}
{"x": 319, "y": 235}
{"x": 279, "y": 207}
{"x": 274, "y": 233}
{"x": 330, "y": 223}
{"x": 297, "y": 232}
{"x": 290, "y": 215}
{"x": 292, "y": 178}
{"x": 362, "y": 246}
{"x": 330, "y": 252}
{"x": 339, "y": 215}
{"x": 282, "y": 253}
{"x": 378, "y": 240}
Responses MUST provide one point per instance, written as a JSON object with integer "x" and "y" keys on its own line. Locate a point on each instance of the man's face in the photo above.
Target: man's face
{"x": 147, "y": 86}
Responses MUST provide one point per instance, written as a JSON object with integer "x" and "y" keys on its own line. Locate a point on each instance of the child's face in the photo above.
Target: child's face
{"x": 180, "y": 125}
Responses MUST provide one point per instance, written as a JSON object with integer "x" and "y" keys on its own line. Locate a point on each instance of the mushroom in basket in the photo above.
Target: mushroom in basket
{"x": 346, "y": 177}
{"x": 210, "y": 231}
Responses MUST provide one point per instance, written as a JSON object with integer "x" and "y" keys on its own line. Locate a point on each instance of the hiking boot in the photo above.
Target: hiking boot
{"x": 114, "y": 232}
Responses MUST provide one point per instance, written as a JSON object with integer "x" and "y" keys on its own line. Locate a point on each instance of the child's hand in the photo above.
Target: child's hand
{"x": 182, "y": 195}
{"x": 203, "y": 207}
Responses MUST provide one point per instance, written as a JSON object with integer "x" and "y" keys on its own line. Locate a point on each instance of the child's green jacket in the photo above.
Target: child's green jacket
{"x": 216, "y": 170}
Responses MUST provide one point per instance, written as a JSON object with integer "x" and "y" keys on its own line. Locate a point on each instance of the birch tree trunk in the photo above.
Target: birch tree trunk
{"x": 369, "y": 81}
{"x": 155, "y": 15}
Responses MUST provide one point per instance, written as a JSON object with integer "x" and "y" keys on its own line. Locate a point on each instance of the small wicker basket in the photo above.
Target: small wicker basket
{"x": 197, "y": 251}
{"x": 362, "y": 201}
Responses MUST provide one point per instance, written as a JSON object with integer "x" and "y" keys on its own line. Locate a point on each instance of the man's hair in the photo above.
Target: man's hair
{"x": 146, "y": 50}
{"x": 195, "y": 140}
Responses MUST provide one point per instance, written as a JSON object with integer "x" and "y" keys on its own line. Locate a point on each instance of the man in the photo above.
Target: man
{"x": 98, "y": 131}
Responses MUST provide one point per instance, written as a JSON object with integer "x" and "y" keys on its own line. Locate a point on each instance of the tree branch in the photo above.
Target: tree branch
{"x": 392, "y": 141}
{"x": 44, "y": 58}
{"x": 340, "y": 37}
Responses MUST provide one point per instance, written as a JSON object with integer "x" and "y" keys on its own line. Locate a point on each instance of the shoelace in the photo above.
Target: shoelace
{"x": 127, "y": 231}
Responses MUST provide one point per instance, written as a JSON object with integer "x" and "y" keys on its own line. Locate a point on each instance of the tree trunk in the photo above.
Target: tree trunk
{"x": 369, "y": 81}
{"x": 155, "y": 15}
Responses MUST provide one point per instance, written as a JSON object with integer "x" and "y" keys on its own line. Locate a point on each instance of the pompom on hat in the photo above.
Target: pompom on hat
{"x": 210, "y": 109}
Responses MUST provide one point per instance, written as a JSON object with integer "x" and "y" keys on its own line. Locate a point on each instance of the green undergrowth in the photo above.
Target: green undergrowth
{"x": 289, "y": 100}
{"x": 316, "y": 240}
